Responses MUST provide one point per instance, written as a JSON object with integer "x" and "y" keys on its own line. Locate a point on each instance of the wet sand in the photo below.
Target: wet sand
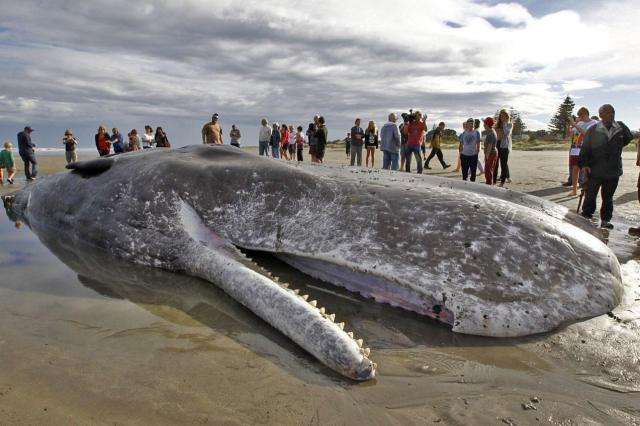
{"x": 94, "y": 340}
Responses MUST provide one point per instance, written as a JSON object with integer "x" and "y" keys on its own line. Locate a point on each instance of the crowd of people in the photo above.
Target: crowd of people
{"x": 400, "y": 144}
{"x": 282, "y": 141}
{"x": 114, "y": 143}
{"x": 595, "y": 155}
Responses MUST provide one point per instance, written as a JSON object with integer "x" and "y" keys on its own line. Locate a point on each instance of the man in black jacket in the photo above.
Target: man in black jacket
{"x": 601, "y": 160}
{"x": 26, "y": 149}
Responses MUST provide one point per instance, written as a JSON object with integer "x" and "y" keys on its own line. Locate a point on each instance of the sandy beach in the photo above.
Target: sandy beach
{"x": 121, "y": 344}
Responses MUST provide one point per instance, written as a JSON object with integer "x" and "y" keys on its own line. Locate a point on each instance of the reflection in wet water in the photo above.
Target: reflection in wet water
{"x": 139, "y": 325}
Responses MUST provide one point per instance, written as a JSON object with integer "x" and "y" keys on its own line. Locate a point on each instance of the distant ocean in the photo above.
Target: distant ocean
{"x": 60, "y": 151}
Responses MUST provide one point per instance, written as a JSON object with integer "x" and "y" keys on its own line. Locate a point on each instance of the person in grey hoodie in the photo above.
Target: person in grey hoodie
{"x": 390, "y": 143}
{"x": 601, "y": 160}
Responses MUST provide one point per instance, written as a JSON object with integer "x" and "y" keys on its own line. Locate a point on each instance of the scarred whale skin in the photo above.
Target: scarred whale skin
{"x": 485, "y": 260}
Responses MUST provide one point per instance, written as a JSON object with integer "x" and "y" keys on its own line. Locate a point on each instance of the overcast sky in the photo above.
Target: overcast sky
{"x": 173, "y": 63}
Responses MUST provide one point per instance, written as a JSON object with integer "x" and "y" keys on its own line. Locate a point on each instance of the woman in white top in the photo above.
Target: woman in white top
{"x": 292, "y": 143}
{"x": 148, "y": 140}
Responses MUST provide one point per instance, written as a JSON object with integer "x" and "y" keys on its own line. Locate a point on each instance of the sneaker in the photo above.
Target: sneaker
{"x": 586, "y": 216}
{"x": 508, "y": 180}
{"x": 10, "y": 181}
{"x": 446, "y": 166}
{"x": 501, "y": 184}
{"x": 427, "y": 167}
{"x": 566, "y": 183}
{"x": 606, "y": 225}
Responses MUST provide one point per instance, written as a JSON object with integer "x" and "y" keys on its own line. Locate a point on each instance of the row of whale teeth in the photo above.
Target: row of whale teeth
{"x": 314, "y": 303}
{"x": 331, "y": 317}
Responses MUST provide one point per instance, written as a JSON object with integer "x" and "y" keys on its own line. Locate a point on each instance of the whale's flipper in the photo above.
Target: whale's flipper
{"x": 310, "y": 326}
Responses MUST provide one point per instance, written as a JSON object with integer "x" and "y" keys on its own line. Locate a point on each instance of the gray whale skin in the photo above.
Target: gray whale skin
{"x": 484, "y": 260}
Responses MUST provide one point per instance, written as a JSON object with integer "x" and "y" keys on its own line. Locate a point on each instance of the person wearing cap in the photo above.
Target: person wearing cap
{"x": 7, "y": 162}
{"x": 26, "y": 149}
{"x": 70, "y": 144}
{"x": 490, "y": 150}
{"x": 212, "y": 132}
{"x": 601, "y": 160}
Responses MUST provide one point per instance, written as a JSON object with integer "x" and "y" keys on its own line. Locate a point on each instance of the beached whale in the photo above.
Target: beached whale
{"x": 484, "y": 260}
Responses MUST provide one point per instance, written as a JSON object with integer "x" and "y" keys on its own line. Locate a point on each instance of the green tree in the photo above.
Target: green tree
{"x": 518, "y": 125}
{"x": 559, "y": 123}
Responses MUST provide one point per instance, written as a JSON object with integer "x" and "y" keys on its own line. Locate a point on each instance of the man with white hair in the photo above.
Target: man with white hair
{"x": 390, "y": 143}
{"x": 601, "y": 160}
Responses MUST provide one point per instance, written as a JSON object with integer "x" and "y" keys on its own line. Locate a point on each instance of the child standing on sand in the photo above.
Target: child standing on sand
{"x": 6, "y": 162}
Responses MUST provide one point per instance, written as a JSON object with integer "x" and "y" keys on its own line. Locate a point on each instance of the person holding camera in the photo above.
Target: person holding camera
{"x": 414, "y": 130}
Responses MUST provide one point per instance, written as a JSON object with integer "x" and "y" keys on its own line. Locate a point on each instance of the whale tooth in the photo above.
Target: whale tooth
{"x": 341, "y": 325}
{"x": 350, "y": 334}
{"x": 367, "y": 351}
{"x": 314, "y": 303}
{"x": 332, "y": 317}
{"x": 322, "y": 311}
{"x": 359, "y": 342}
{"x": 276, "y": 279}
{"x": 305, "y": 296}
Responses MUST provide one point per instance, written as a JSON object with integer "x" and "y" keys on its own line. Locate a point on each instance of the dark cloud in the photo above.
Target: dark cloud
{"x": 80, "y": 63}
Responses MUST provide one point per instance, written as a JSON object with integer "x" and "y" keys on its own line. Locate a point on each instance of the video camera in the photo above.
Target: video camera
{"x": 409, "y": 117}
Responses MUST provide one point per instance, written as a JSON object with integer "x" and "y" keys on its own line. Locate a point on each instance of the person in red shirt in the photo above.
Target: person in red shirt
{"x": 415, "y": 131}
{"x": 284, "y": 142}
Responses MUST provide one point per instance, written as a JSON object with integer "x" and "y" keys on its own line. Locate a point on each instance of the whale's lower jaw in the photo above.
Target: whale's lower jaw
{"x": 214, "y": 259}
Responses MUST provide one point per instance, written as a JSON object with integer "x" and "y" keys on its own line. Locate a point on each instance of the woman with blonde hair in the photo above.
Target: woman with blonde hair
{"x": 371, "y": 143}
{"x": 103, "y": 141}
{"x": 504, "y": 127}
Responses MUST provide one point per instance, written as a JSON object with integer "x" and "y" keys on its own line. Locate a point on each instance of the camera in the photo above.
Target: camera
{"x": 409, "y": 117}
